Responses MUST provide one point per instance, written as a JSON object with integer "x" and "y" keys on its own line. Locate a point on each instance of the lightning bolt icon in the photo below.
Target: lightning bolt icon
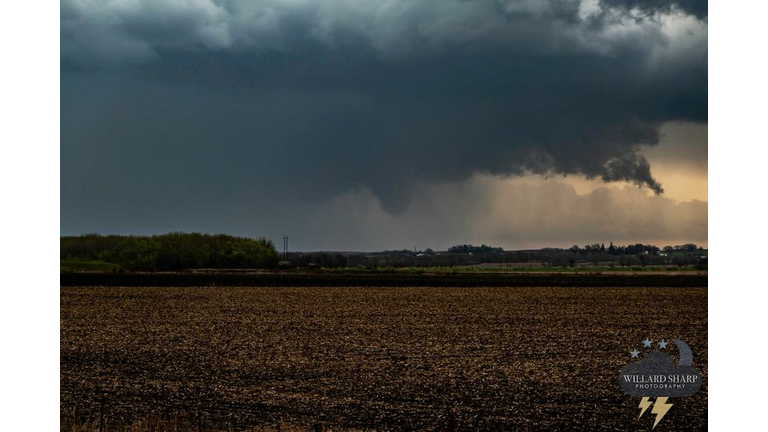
{"x": 645, "y": 403}
{"x": 660, "y": 408}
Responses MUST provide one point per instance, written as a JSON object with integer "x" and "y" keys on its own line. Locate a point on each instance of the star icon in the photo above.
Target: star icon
{"x": 635, "y": 353}
{"x": 662, "y": 345}
{"x": 647, "y": 343}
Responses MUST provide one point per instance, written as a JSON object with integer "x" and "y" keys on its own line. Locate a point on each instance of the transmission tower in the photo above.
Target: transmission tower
{"x": 285, "y": 248}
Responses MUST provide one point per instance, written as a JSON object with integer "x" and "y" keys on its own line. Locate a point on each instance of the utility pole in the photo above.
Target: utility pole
{"x": 285, "y": 248}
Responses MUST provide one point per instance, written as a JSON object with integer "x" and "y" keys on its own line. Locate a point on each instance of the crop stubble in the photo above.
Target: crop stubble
{"x": 364, "y": 358}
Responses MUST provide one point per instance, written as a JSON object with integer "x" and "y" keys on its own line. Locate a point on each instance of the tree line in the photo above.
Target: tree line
{"x": 469, "y": 249}
{"x": 596, "y": 254}
{"x": 634, "y": 249}
{"x": 171, "y": 252}
{"x": 179, "y": 251}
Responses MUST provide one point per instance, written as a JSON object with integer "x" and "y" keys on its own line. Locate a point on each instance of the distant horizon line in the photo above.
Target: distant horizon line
{"x": 352, "y": 251}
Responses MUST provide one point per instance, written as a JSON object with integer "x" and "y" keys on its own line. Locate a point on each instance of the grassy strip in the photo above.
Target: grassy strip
{"x": 375, "y": 279}
{"x": 506, "y": 269}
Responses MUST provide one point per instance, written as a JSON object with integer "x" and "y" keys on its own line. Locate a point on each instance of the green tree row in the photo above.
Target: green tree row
{"x": 172, "y": 251}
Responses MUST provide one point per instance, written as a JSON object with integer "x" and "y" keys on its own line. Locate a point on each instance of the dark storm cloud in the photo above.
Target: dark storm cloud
{"x": 698, "y": 8}
{"x": 187, "y": 109}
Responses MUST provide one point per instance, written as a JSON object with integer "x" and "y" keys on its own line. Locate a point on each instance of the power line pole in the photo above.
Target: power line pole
{"x": 285, "y": 248}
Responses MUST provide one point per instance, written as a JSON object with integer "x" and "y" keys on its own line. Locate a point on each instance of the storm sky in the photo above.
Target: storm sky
{"x": 367, "y": 125}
